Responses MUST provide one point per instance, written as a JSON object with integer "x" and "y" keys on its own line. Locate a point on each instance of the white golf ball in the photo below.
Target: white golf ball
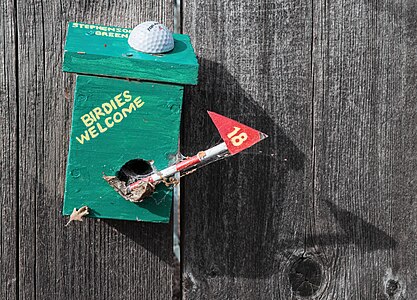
{"x": 151, "y": 37}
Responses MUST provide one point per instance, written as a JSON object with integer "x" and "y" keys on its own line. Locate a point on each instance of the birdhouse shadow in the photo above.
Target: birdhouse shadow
{"x": 156, "y": 238}
{"x": 230, "y": 209}
{"x": 354, "y": 230}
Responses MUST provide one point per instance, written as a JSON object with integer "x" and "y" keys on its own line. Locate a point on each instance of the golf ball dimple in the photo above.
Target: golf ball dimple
{"x": 151, "y": 37}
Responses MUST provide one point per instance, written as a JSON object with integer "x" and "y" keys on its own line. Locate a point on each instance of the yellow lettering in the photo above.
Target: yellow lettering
{"x": 98, "y": 112}
{"x": 117, "y": 35}
{"x": 87, "y": 120}
{"x": 108, "y": 124}
{"x": 101, "y": 129}
{"x": 107, "y": 108}
{"x": 128, "y": 110}
{"x": 99, "y": 119}
{"x": 93, "y": 132}
{"x": 74, "y": 25}
{"x": 117, "y": 119}
{"x": 113, "y": 104}
{"x": 138, "y": 102}
{"x": 125, "y": 36}
{"x": 117, "y": 99}
{"x": 104, "y": 34}
{"x": 110, "y": 29}
{"x": 127, "y": 96}
{"x": 84, "y": 136}
{"x": 98, "y": 32}
{"x": 92, "y": 116}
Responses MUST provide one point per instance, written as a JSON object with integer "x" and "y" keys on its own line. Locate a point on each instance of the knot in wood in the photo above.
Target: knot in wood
{"x": 392, "y": 287}
{"x": 305, "y": 277}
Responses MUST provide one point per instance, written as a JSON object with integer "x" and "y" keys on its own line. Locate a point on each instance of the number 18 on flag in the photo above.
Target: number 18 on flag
{"x": 237, "y": 136}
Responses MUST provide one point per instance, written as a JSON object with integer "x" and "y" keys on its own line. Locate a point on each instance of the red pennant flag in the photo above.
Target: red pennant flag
{"x": 237, "y": 136}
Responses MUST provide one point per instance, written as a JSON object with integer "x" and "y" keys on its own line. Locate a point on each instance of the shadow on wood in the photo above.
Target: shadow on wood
{"x": 154, "y": 238}
{"x": 355, "y": 231}
{"x": 232, "y": 209}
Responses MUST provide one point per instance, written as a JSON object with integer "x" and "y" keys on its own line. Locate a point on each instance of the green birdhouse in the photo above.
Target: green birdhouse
{"x": 127, "y": 108}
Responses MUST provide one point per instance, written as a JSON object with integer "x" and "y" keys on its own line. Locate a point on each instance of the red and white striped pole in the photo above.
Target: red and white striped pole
{"x": 182, "y": 165}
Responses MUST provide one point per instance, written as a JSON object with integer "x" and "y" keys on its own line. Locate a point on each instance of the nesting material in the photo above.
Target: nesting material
{"x": 142, "y": 191}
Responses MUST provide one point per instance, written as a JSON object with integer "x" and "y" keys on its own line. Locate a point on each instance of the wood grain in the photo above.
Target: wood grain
{"x": 362, "y": 218}
{"x": 334, "y": 84}
{"x": 8, "y": 152}
{"x": 93, "y": 259}
{"x": 244, "y": 218}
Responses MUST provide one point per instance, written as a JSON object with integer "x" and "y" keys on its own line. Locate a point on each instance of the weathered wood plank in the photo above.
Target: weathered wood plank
{"x": 90, "y": 260}
{"x": 8, "y": 152}
{"x": 244, "y": 218}
{"x": 363, "y": 217}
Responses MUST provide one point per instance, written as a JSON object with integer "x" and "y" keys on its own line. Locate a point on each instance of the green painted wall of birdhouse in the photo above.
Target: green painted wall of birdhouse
{"x": 115, "y": 121}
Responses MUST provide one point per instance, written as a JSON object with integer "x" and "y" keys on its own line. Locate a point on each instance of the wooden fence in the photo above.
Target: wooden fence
{"x": 325, "y": 208}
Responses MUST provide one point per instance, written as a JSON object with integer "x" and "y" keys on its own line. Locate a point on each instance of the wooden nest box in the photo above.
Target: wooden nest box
{"x": 127, "y": 105}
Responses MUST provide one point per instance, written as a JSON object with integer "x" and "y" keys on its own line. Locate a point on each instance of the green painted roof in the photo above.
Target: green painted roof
{"x": 103, "y": 50}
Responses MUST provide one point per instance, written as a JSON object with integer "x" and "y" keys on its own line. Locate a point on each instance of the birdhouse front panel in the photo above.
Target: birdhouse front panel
{"x": 115, "y": 121}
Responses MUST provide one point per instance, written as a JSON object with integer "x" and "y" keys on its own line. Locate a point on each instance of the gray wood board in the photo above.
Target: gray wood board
{"x": 93, "y": 259}
{"x": 8, "y": 156}
{"x": 363, "y": 217}
{"x": 331, "y": 212}
{"x": 244, "y": 218}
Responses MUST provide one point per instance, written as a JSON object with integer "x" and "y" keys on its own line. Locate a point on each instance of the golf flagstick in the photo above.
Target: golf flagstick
{"x": 236, "y": 136}
{"x": 185, "y": 164}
